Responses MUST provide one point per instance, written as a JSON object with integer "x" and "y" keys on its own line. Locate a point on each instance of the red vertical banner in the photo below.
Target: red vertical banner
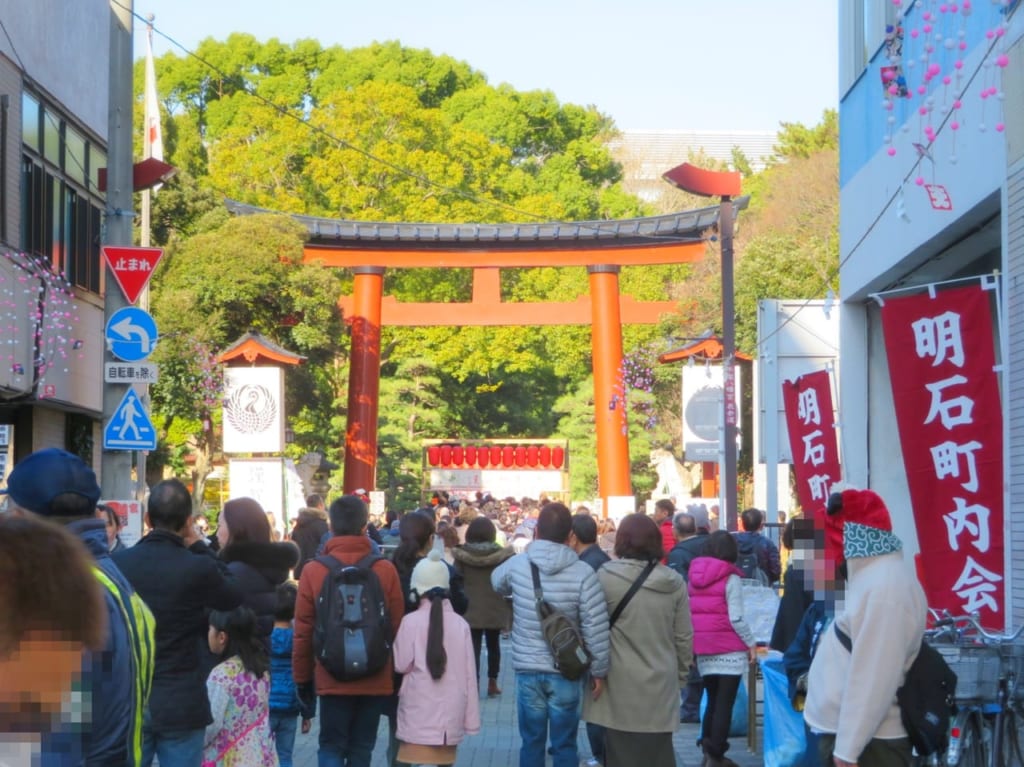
{"x": 949, "y": 414}
{"x": 812, "y": 440}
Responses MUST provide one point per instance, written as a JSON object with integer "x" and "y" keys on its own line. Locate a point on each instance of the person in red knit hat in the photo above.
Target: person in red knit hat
{"x": 851, "y": 693}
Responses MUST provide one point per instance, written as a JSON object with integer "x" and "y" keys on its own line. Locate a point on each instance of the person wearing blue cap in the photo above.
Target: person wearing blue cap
{"x": 61, "y": 487}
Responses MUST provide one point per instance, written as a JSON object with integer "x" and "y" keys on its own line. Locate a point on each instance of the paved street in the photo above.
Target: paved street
{"x": 497, "y": 745}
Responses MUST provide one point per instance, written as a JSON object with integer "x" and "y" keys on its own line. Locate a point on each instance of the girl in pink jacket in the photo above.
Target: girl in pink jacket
{"x": 438, "y": 703}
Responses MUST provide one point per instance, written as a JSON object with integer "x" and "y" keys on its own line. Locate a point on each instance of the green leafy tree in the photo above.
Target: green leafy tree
{"x": 245, "y": 275}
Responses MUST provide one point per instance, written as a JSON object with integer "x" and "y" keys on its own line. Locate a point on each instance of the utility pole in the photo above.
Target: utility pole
{"x": 116, "y": 466}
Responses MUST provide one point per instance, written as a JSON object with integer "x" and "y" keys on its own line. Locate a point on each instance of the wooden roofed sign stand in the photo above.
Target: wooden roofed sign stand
{"x": 602, "y": 247}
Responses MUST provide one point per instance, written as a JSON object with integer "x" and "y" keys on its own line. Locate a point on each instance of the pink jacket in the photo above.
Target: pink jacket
{"x": 442, "y": 712}
{"x": 713, "y": 632}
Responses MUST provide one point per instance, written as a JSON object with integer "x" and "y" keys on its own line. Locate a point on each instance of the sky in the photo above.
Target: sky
{"x": 731, "y": 65}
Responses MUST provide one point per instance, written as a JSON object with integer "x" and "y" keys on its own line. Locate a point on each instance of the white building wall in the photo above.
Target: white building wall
{"x": 890, "y": 237}
{"x": 63, "y": 46}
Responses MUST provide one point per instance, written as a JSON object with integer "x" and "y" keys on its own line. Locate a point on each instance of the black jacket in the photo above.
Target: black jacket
{"x": 594, "y": 556}
{"x": 796, "y": 598}
{"x": 178, "y": 585}
{"x": 684, "y": 552}
{"x": 258, "y": 569}
{"x": 309, "y": 529}
{"x": 456, "y": 590}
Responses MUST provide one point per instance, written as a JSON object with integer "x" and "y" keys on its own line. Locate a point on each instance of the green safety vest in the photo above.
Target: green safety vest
{"x": 141, "y": 631}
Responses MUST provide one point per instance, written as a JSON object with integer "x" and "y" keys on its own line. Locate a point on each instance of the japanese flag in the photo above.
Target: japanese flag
{"x": 153, "y": 142}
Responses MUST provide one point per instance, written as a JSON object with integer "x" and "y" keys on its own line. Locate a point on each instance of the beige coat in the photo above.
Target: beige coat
{"x": 651, "y": 650}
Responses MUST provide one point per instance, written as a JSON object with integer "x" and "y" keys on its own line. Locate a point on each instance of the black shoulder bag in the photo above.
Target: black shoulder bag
{"x": 635, "y": 587}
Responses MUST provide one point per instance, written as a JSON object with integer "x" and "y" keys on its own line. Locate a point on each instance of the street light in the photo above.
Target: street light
{"x": 726, "y": 185}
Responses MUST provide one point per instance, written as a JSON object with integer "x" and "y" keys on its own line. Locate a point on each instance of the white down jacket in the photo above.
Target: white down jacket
{"x": 569, "y": 585}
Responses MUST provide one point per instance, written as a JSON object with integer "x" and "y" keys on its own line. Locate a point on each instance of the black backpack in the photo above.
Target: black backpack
{"x": 927, "y": 699}
{"x": 352, "y": 632}
{"x": 749, "y": 563}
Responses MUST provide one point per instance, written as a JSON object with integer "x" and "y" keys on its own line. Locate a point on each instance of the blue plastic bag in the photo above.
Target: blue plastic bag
{"x": 738, "y": 725}
{"x": 784, "y": 734}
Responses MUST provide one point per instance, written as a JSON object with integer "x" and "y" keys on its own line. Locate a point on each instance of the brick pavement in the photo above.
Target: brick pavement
{"x": 497, "y": 745}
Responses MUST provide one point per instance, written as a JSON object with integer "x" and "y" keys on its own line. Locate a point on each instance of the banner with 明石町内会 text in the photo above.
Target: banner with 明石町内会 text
{"x": 941, "y": 354}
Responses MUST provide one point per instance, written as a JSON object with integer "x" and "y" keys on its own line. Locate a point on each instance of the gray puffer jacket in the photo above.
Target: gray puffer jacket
{"x": 569, "y": 585}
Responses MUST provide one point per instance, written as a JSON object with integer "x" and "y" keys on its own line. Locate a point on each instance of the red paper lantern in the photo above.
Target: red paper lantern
{"x": 495, "y": 455}
{"x": 433, "y": 454}
{"x": 458, "y": 455}
{"x": 446, "y": 455}
{"x": 531, "y": 455}
{"x": 557, "y": 457}
{"x": 508, "y": 456}
{"x": 544, "y": 456}
{"x": 521, "y": 456}
{"x": 484, "y": 457}
{"x": 471, "y": 455}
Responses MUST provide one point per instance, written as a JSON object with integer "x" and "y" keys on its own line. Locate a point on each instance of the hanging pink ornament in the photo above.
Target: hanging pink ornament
{"x": 888, "y": 106}
{"x": 954, "y": 125}
{"x": 990, "y": 34}
{"x": 919, "y": 180}
{"x": 922, "y": 111}
{"x": 1000, "y": 31}
{"x": 1000, "y": 127}
{"x": 921, "y": 90}
{"x": 914, "y": 33}
{"x": 934, "y": 70}
{"x": 984, "y": 94}
{"x": 927, "y": 16}
{"x": 1002, "y": 60}
{"x": 893, "y": 90}
{"x": 891, "y": 151}
{"x": 957, "y": 104}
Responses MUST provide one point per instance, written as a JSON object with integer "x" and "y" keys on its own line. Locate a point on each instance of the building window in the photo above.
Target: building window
{"x": 61, "y": 205}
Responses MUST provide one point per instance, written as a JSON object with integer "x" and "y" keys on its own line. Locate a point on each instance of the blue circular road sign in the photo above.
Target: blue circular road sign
{"x": 131, "y": 334}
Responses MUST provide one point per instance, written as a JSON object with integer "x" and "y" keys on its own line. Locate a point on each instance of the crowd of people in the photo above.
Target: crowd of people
{"x": 216, "y": 650}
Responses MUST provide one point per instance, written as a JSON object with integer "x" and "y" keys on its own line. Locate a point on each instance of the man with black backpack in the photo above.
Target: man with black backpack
{"x": 861, "y": 661}
{"x": 758, "y": 556}
{"x": 347, "y": 613}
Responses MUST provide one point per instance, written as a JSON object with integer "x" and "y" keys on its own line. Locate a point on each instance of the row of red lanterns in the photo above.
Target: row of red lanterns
{"x": 497, "y": 456}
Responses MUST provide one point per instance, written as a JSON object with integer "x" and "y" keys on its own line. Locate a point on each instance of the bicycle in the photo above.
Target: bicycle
{"x": 988, "y": 728}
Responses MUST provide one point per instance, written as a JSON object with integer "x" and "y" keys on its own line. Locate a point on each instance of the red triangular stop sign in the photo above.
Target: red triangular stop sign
{"x": 132, "y": 267}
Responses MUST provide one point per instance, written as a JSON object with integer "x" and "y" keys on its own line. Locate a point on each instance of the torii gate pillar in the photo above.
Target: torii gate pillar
{"x": 609, "y": 396}
{"x": 364, "y": 379}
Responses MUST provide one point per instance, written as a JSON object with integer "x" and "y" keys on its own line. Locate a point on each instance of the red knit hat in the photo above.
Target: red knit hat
{"x": 862, "y": 507}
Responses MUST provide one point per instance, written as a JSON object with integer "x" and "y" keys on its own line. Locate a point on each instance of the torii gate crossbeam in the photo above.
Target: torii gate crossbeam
{"x": 603, "y": 247}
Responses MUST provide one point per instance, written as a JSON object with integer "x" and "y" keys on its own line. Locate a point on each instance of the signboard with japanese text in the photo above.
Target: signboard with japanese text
{"x": 810, "y": 421}
{"x": 130, "y": 372}
{"x": 261, "y": 479}
{"x": 132, "y": 267}
{"x": 948, "y": 411}
{"x": 703, "y": 389}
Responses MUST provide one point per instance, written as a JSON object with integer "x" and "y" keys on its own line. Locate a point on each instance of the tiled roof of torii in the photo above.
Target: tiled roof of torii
{"x": 684, "y": 226}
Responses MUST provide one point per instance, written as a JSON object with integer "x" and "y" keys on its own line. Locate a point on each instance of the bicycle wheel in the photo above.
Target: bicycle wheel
{"x": 971, "y": 743}
{"x": 1013, "y": 738}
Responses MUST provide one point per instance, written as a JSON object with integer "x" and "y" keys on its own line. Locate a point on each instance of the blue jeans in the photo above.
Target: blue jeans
{"x": 283, "y": 726}
{"x": 174, "y": 748}
{"x": 348, "y": 729}
{"x": 547, "y": 704}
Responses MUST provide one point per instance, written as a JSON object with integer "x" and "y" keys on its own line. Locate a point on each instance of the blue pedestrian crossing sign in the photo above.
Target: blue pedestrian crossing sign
{"x": 129, "y": 428}
{"x": 131, "y": 334}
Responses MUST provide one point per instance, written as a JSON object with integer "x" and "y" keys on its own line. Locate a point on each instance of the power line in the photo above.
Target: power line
{"x": 464, "y": 194}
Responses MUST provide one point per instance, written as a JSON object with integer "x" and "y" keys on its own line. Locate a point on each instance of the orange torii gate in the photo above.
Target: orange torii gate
{"x": 603, "y": 247}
